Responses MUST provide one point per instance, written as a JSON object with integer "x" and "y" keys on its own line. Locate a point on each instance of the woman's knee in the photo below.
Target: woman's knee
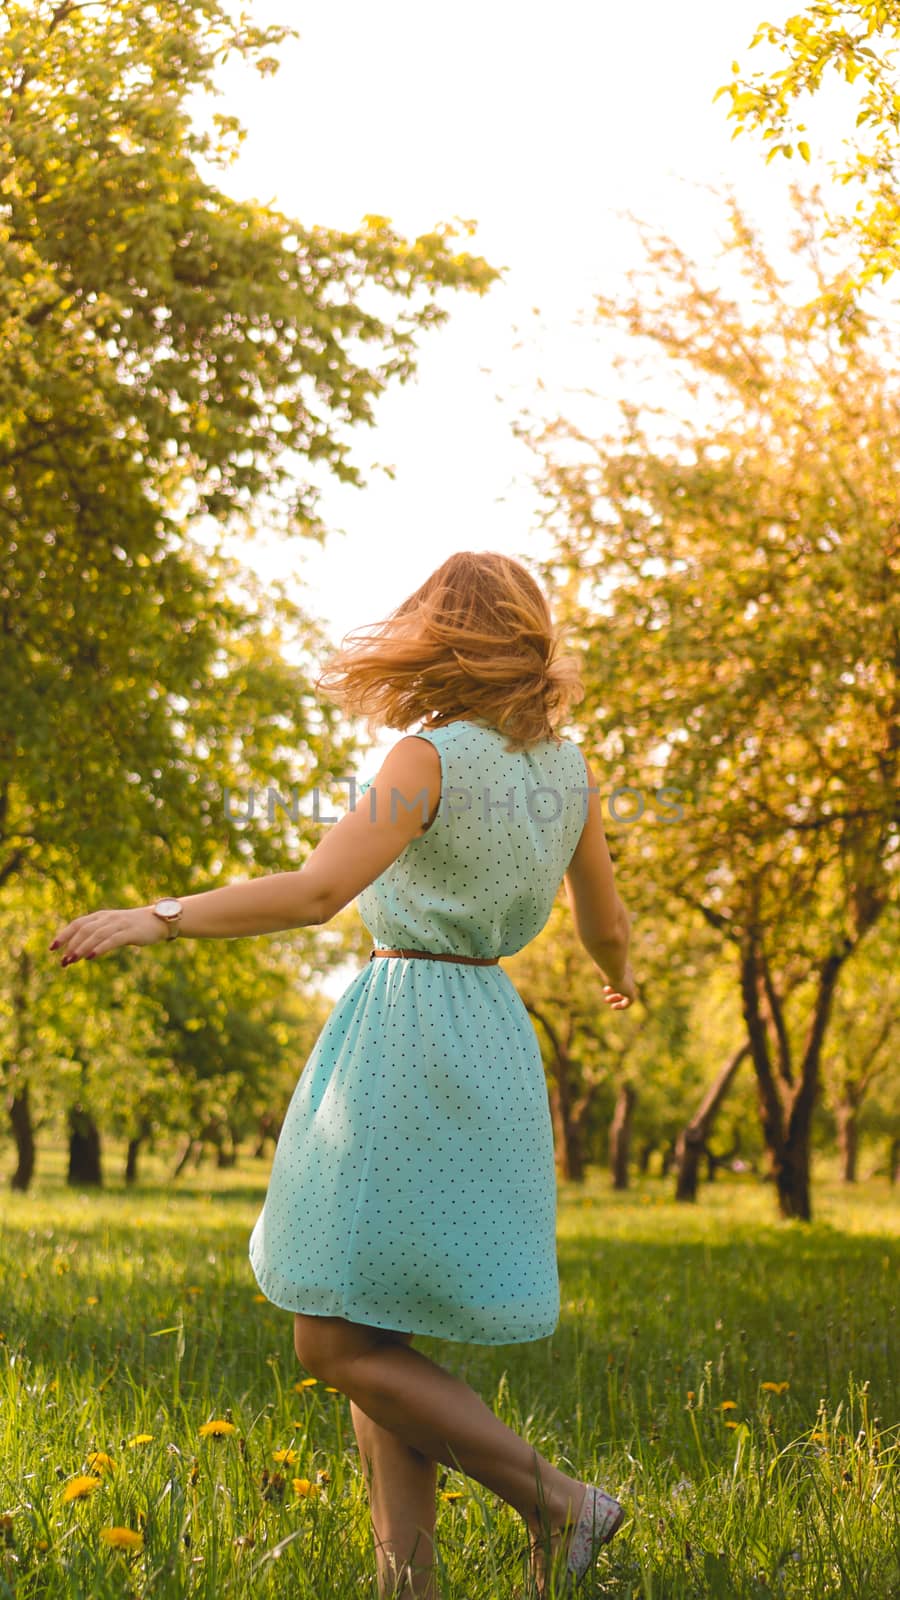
{"x": 325, "y": 1344}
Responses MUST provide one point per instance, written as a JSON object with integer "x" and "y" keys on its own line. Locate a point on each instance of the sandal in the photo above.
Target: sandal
{"x": 601, "y": 1516}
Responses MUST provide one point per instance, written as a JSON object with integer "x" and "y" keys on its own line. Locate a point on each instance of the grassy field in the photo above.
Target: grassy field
{"x": 734, "y": 1378}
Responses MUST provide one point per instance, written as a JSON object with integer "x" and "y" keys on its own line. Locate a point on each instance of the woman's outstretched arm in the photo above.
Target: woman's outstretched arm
{"x": 352, "y": 855}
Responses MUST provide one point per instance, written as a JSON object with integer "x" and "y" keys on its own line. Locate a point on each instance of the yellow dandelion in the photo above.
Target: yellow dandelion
{"x": 217, "y": 1429}
{"x": 260, "y": 1299}
{"x": 819, "y": 1438}
{"x": 728, "y": 1405}
{"x": 139, "y": 1438}
{"x": 194, "y": 1288}
{"x": 305, "y": 1383}
{"x": 79, "y": 1488}
{"x": 285, "y": 1457}
{"x": 99, "y": 1461}
{"x": 732, "y": 1424}
{"x": 451, "y": 1494}
{"x": 122, "y": 1538}
{"x": 330, "y": 1389}
{"x": 303, "y": 1487}
{"x": 776, "y": 1388}
{"x": 323, "y": 1476}
{"x": 92, "y": 1300}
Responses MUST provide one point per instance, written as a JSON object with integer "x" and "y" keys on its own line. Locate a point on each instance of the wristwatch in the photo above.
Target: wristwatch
{"x": 169, "y": 912}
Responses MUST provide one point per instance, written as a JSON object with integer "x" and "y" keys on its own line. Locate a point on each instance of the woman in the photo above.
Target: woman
{"x": 413, "y": 1189}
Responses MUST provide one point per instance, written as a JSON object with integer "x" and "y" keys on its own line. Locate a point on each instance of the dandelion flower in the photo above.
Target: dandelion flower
{"x": 451, "y": 1494}
{"x": 99, "y": 1461}
{"x": 728, "y": 1405}
{"x": 92, "y": 1300}
{"x": 217, "y": 1429}
{"x": 303, "y": 1487}
{"x": 122, "y": 1538}
{"x": 285, "y": 1457}
{"x": 139, "y": 1438}
{"x": 305, "y": 1383}
{"x": 79, "y": 1488}
{"x": 260, "y": 1301}
{"x": 819, "y": 1438}
{"x": 330, "y": 1389}
{"x": 732, "y": 1424}
{"x": 776, "y": 1388}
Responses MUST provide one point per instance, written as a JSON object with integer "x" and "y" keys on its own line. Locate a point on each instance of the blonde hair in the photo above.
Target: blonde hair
{"x": 475, "y": 641}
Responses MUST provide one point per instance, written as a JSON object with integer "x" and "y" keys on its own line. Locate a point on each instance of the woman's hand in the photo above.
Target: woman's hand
{"x": 101, "y": 931}
{"x": 620, "y": 996}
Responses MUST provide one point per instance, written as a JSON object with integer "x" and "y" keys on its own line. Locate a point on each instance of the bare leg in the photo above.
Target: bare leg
{"x": 437, "y": 1414}
{"x": 401, "y": 1485}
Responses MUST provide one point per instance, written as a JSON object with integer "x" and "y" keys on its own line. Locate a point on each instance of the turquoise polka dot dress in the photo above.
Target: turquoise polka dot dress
{"x": 414, "y": 1185}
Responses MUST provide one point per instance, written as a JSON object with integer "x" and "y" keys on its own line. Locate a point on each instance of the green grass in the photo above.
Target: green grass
{"x": 135, "y": 1313}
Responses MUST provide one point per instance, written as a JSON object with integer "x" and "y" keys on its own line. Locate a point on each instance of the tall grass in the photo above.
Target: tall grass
{"x": 732, "y": 1378}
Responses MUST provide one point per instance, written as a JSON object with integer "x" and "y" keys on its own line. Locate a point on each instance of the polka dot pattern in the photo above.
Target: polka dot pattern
{"x": 414, "y": 1185}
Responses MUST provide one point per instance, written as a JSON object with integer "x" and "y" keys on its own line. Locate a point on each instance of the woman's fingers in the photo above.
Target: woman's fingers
{"x": 65, "y": 933}
{"x": 82, "y": 938}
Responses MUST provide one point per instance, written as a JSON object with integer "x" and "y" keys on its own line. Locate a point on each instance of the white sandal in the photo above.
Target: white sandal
{"x": 601, "y": 1516}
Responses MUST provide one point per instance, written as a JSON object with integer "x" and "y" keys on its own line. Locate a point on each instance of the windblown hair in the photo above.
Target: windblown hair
{"x": 475, "y": 641}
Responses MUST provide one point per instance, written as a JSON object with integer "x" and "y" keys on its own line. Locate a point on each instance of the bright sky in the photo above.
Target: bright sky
{"x": 539, "y": 123}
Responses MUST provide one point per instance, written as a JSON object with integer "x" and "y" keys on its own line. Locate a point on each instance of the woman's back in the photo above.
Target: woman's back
{"x": 481, "y": 881}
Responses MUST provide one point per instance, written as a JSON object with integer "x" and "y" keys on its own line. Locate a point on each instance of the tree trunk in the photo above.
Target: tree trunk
{"x": 786, "y": 1100}
{"x": 568, "y": 1131}
{"x": 848, "y": 1141}
{"x": 23, "y": 1133}
{"x": 131, "y": 1159}
{"x": 269, "y": 1128}
{"x": 187, "y": 1150}
{"x": 145, "y": 1128}
{"x": 894, "y": 1160}
{"x": 620, "y": 1135}
{"x": 84, "y": 1149}
{"x": 18, "y": 1101}
{"x": 692, "y": 1139}
{"x": 790, "y": 1169}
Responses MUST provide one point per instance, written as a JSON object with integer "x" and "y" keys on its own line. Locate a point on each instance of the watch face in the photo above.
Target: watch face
{"x": 168, "y": 908}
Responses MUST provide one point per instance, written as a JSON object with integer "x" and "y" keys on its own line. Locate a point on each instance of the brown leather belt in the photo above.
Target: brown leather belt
{"x": 430, "y": 955}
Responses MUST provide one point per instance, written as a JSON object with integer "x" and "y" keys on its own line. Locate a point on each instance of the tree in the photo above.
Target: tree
{"x": 168, "y": 354}
{"x": 692, "y": 1140}
{"x": 863, "y": 1047}
{"x": 845, "y": 38}
{"x": 704, "y": 572}
{"x": 562, "y": 991}
{"x": 595, "y": 1059}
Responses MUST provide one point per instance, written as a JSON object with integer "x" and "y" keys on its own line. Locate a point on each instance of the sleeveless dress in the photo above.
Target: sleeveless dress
{"x": 414, "y": 1185}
